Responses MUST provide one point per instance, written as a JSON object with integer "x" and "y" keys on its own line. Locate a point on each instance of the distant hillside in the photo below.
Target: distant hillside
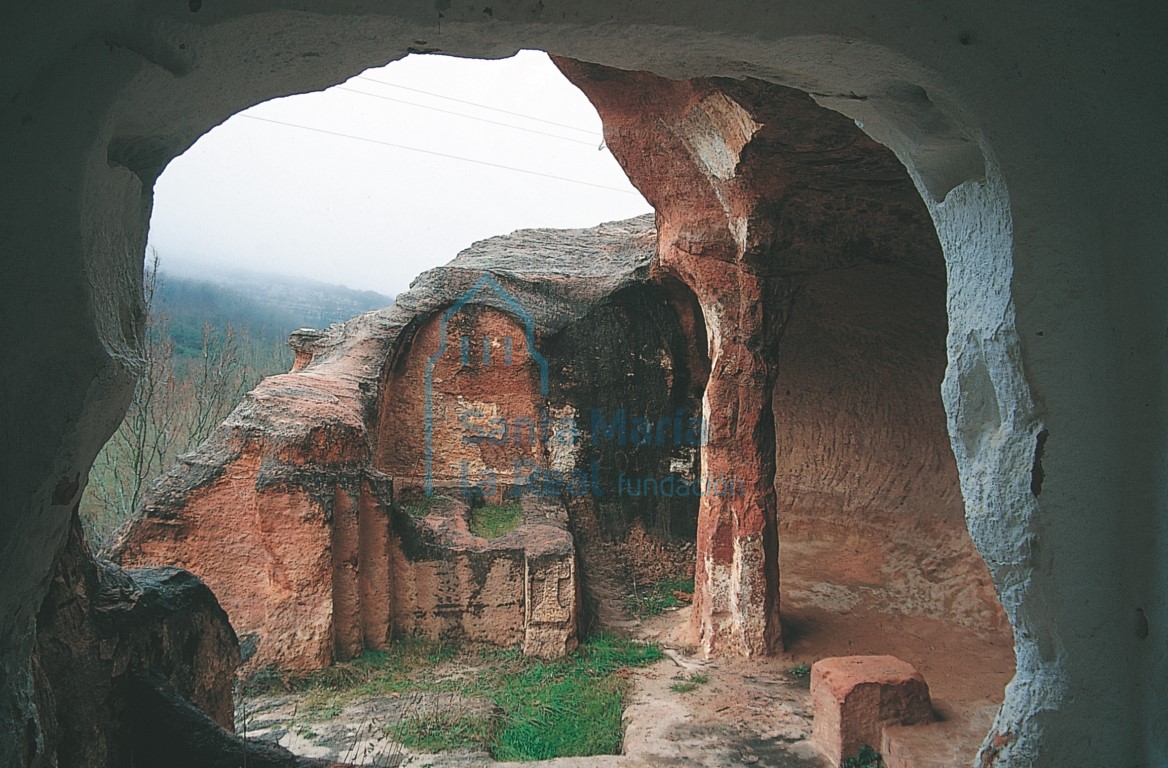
{"x": 208, "y": 340}
{"x": 265, "y": 308}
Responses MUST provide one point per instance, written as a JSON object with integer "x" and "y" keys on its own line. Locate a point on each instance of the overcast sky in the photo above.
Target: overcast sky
{"x": 267, "y": 196}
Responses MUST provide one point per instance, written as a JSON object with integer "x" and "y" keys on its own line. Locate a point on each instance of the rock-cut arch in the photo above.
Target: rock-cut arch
{"x": 96, "y": 104}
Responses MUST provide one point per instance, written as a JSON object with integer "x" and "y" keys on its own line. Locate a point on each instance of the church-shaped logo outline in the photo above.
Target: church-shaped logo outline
{"x": 514, "y": 308}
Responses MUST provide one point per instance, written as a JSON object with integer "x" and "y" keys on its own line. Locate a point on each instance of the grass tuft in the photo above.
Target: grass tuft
{"x": 690, "y": 683}
{"x": 422, "y": 505}
{"x": 495, "y": 520}
{"x": 444, "y": 732}
{"x": 655, "y": 599}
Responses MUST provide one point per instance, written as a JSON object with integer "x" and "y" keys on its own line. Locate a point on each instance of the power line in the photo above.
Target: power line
{"x": 468, "y": 117}
{"x": 480, "y": 106}
{"x": 437, "y": 154}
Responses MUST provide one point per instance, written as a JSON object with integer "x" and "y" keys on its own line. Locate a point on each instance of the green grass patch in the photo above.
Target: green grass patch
{"x": 495, "y": 520}
{"x": 655, "y": 599}
{"x": 569, "y": 707}
{"x": 444, "y": 732}
{"x": 690, "y": 683}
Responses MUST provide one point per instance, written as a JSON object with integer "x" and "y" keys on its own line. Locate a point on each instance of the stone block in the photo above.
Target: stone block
{"x": 854, "y": 698}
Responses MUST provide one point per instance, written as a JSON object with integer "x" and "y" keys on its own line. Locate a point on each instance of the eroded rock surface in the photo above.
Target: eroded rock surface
{"x": 478, "y": 386}
{"x": 520, "y": 589}
{"x": 775, "y": 344}
{"x": 822, "y": 284}
{"x": 137, "y": 668}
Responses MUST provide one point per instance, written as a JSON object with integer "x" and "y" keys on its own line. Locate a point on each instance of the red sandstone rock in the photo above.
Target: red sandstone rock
{"x": 855, "y": 697}
{"x": 484, "y": 415}
{"x": 776, "y": 220}
{"x": 518, "y": 589}
{"x": 767, "y": 205}
{"x": 286, "y": 511}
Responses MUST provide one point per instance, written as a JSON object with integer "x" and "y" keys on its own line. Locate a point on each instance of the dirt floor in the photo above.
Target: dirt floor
{"x": 745, "y": 712}
{"x": 828, "y": 613}
{"x": 748, "y": 712}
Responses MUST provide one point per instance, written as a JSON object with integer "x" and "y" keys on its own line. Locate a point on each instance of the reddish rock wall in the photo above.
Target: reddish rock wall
{"x": 269, "y": 512}
{"x": 870, "y": 513}
{"x": 680, "y": 142}
{"x": 287, "y": 510}
{"x": 487, "y": 417}
{"x": 790, "y": 245}
{"x": 521, "y": 589}
{"x": 822, "y": 283}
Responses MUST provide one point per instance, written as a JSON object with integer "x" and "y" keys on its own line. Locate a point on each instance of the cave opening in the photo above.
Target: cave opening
{"x": 276, "y": 220}
{"x": 736, "y": 611}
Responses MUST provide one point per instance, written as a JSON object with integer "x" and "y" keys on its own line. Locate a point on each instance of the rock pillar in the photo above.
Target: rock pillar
{"x": 682, "y": 145}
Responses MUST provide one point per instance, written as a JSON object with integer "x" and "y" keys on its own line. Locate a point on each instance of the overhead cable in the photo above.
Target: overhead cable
{"x": 437, "y": 154}
{"x": 462, "y": 114}
{"x": 480, "y": 106}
